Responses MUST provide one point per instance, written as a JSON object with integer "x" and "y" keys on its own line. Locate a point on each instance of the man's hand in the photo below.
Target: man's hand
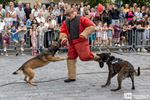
{"x": 82, "y": 37}
{"x": 64, "y": 42}
{"x": 87, "y": 31}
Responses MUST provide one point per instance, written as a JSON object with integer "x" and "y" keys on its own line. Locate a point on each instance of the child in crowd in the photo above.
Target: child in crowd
{"x": 41, "y": 29}
{"x": 8, "y": 20}
{"x": 123, "y": 35}
{"x": 22, "y": 30}
{"x": 110, "y": 32}
{"x": 6, "y": 40}
{"x": 104, "y": 35}
{"x": 34, "y": 34}
{"x": 92, "y": 39}
{"x": 99, "y": 34}
{"x": 116, "y": 35}
{"x": 14, "y": 36}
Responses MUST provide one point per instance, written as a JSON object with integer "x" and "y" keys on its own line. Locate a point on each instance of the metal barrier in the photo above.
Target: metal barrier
{"x": 136, "y": 40}
{"x": 49, "y": 36}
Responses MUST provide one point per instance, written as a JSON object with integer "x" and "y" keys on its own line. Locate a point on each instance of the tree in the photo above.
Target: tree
{"x": 95, "y": 2}
{"x": 139, "y": 2}
{"x": 104, "y": 2}
{"x": 6, "y": 2}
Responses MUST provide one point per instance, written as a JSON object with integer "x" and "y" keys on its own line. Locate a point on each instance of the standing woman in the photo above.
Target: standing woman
{"x": 8, "y": 20}
{"x": 130, "y": 15}
{"x": 33, "y": 34}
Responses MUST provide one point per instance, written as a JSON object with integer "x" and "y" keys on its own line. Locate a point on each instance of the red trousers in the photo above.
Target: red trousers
{"x": 81, "y": 49}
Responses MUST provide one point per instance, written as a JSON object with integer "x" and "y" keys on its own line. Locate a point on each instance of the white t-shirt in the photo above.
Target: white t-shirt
{"x": 2, "y": 24}
{"x": 138, "y": 15}
{"x": 35, "y": 12}
{"x": 20, "y": 13}
{"x": 8, "y": 21}
{"x": 53, "y": 23}
{"x": 40, "y": 19}
{"x": 12, "y": 12}
{"x": 61, "y": 3}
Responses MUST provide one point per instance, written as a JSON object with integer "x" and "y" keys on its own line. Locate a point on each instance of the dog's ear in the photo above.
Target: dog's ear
{"x": 111, "y": 58}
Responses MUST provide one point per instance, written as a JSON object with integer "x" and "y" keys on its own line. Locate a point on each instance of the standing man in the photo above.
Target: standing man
{"x": 27, "y": 11}
{"x": 75, "y": 31}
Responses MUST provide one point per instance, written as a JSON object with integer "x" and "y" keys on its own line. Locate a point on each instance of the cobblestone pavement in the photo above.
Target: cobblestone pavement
{"x": 87, "y": 87}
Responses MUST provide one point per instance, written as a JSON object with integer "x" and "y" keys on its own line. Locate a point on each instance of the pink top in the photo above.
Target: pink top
{"x": 130, "y": 16}
{"x": 92, "y": 14}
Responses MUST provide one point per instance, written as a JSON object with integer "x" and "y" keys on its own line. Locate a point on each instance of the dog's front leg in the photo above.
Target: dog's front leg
{"x": 110, "y": 76}
{"x": 54, "y": 59}
{"x": 119, "y": 79}
{"x": 108, "y": 80}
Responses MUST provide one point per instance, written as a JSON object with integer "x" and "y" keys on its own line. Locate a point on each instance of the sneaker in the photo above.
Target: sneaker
{"x": 123, "y": 44}
{"x": 6, "y": 54}
{"x": 144, "y": 50}
{"x": 115, "y": 44}
{"x": 23, "y": 54}
{"x": 21, "y": 49}
{"x": 1, "y": 53}
{"x": 4, "y": 49}
{"x": 118, "y": 45}
{"x": 138, "y": 50}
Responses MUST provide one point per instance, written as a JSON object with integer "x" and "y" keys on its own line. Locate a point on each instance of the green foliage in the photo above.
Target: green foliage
{"x": 104, "y": 2}
{"x": 139, "y": 2}
{"x": 95, "y": 2}
{"x": 6, "y": 2}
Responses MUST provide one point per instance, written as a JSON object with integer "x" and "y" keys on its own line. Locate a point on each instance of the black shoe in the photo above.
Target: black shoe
{"x": 69, "y": 80}
{"x": 15, "y": 48}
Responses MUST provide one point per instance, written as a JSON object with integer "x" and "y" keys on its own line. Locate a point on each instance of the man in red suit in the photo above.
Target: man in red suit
{"x": 75, "y": 31}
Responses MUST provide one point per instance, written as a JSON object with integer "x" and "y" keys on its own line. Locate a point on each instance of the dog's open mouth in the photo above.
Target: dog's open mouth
{"x": 104, "y": 58}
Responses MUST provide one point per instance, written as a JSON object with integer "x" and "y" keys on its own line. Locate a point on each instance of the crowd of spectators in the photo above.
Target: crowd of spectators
{"x": 39, "y": 26}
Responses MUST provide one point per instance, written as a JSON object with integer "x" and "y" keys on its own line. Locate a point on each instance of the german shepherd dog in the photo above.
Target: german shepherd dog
{"x": 39, "y": 61}
{"x": 118, "y": 66}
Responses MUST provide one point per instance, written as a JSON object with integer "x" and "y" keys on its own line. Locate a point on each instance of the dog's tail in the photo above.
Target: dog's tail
{"x": 17, "y": 71}
{"x": 138, "y": 72}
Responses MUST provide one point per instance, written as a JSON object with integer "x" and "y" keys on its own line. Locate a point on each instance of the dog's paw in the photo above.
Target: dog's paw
{"x": 133, "y": 88}
{"x": 103, "y": 86}
{"x": 115, "y": 89}
{"x": 32, "y": 84}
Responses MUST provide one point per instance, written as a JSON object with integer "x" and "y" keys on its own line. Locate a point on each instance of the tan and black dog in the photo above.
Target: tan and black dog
{"x": 118, "y": 66}
{"x": 39, "y": 61}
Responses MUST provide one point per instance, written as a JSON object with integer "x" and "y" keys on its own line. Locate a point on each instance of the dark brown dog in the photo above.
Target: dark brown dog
{"x": 118, "y": 66}
{"x": 39, "y": 61}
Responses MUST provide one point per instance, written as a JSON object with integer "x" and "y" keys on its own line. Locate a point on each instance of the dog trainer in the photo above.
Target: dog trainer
{"x": 75, "y": 31}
